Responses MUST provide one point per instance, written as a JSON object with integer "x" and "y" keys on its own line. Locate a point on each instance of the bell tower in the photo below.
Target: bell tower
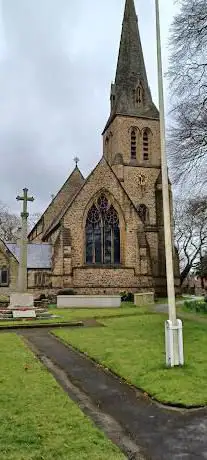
{"x": 131, "y": 142}
{"x": 131, "y": 134}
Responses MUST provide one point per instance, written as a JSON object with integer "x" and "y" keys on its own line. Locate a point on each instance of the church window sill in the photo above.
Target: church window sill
{"x": 105, "y": 266}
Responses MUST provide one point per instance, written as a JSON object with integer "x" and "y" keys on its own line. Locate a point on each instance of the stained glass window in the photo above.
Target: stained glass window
{"x": 102, "y": 234}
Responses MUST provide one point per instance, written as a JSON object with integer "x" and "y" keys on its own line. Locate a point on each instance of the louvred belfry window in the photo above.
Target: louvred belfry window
{"x": 102, "y": 234}
{"x": 145, "y": 145}
{"x": 133, "y": 145}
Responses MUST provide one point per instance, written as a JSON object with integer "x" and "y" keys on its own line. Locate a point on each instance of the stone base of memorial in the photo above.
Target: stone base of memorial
{"x": 88, "y": 301}
{"x": 19, "y": 300}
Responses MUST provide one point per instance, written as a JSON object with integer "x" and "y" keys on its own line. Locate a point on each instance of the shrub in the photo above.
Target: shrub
{"x": 127, "y": 296}
{"x": 41, "y": 297}
{"x": 52, "y": 299}
{"x": 66, "y": 292}
{"x": 197, "y": 306}
{"x": 4, "y": 298}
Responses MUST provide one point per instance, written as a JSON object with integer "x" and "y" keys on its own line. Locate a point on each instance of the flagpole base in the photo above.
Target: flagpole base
{"x": 174, "y": 343}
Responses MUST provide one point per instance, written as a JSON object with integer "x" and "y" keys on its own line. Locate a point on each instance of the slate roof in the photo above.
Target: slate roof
{"x": 39, "y": 255}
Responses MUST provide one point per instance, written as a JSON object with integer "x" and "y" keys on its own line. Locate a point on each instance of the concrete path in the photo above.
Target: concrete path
{"x": 143, "y": 429}
{"x": 163, "y": 308}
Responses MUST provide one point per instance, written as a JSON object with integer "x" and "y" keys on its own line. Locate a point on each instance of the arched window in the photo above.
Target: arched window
{"x": 143, "y": 213}
{"x": 145, "y": 145}
{"x": 133, "y": 144}
{"x": 102, "y": 234}
{"x": 4, "y": 276}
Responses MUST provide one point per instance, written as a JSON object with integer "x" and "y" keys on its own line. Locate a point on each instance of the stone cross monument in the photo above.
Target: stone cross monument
{"x": 21, "y": 298}
{"x": 22, "y": 274}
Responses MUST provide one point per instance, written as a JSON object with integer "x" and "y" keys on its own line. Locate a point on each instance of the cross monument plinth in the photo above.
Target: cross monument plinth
{"x": 21, "y": 298}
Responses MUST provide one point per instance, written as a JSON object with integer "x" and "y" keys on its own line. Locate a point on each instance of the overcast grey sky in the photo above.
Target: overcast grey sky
{"x": 57, "y": 61}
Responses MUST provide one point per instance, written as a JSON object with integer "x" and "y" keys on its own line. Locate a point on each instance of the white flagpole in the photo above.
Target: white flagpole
{"x": 172, "y": 357}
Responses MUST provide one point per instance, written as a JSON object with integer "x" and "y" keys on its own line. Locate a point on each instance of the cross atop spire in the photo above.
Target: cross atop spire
{"x": 130, "y": 95}
{"x": 76, "y": 160}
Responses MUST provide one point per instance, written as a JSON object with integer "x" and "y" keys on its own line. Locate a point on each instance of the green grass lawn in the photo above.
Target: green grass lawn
{"x": 73, "y": 314}
{"x": 38, "y": 421}
{"x": 134, "y": 348}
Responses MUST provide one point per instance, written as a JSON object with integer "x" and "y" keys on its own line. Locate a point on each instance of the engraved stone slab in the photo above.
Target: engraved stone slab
{"x": 19, "y": 314}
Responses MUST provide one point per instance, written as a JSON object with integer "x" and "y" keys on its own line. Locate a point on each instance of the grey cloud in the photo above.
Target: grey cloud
{"x": 55, "y": 73}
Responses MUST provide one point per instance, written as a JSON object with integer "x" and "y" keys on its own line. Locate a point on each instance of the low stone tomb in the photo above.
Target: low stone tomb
{"x": 88, "y": 301}
{"x": 144, "y": 298}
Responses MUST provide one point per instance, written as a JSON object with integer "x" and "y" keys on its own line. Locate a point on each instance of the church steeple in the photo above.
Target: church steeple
{"x": 130, "y": 95}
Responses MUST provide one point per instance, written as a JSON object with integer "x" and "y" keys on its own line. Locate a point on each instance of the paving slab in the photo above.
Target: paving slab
{"x": 160, "y": 432}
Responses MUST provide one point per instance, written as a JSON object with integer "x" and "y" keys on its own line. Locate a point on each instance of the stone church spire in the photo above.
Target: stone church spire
{"x": 130, "y": 94}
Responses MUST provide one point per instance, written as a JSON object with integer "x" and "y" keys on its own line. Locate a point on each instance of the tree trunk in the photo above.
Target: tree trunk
{"x": 185, "y": 273}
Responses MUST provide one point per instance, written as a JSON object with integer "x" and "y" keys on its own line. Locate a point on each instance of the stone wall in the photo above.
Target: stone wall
{"x": 103, "y": 180}
{"x": 69, "y": 249}
{"x": 140, "y": 178}
{"x": 102, "y": 278}
{"x": 117, "y": 139}
{"x": 7, "y": 260}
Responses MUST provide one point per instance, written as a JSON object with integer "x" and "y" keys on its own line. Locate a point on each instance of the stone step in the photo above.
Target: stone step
{"x": 4, "y": 316}
{"x": 7, "y": 315}
{"x": 43, "y": 315}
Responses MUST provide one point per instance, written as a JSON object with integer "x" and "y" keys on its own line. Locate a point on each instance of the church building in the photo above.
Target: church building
{"x": 104, "y": 234}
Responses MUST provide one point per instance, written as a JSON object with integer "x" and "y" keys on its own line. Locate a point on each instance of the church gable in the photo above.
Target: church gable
{"x": 103, "y": 184}
{"x": 4, "y": 253}
{"x": 102, "y": 177}
{"x": 65, "y": 195}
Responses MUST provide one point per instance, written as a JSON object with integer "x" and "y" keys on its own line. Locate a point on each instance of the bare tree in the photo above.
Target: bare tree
{"x": 188, "y": 86}
{"x": 190, "y": 233}
{"x": 9, "y": 224}
{"x": 33, "y": 219}
{"x": 201, "y": 269}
